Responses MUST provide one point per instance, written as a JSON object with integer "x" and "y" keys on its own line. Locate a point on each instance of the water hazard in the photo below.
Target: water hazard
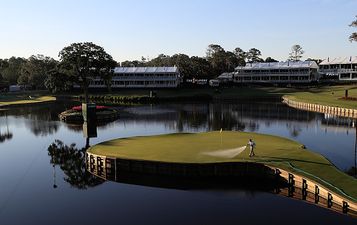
{"x": 45, "y": 181}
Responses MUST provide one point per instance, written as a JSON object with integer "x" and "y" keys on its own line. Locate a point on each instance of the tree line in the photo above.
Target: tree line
{"x": 216, "y": 61}
{"x": 42, "y": 72}
{"x": 31, "y": 72}
{"x": 81, "y": 61}
{"x": 77, "y": 63}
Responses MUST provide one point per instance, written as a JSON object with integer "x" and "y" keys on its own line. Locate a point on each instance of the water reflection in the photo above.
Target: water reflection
{"x": 41, "y": 120}
{"x": 205, "y": 178}
{"x": 294, "y": 129}
{"x": 6, "y": 134}
{"x": 332, "y": 137}
{"x": 42, "y": 128}
{"x": 234, "y": 183}
{"x": 213, "y": 116}
{"x": 321, "y": 132}
{"x": 71, "y": 161}
{"x": 353, "y": 170}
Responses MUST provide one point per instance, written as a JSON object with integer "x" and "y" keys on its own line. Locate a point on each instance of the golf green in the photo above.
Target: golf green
{"x": 228, "y": 146}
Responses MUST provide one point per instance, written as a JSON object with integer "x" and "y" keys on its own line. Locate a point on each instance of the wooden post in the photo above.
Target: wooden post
{"x": 291, "y": 179}
{"x": 291, "y": 190}
{"x": 304, "y": 189}
{"x": 277, "y": 173}
{"x": 344, "y": 207}
{"x": 329, "y": 200}
{"x": 291, "y": 182}
{"x": 317, "y": 192}
{"x": 89, "y": 112}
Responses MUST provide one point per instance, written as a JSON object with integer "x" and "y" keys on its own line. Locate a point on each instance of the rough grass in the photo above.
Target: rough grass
{"x": 190, "y": 148}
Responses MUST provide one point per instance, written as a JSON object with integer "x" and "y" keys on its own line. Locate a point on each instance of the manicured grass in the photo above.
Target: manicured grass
{"x": 324, "y": 95}
{"x": 329, "y": 95}
{"x": 192, "y": 148}
{"x": 24, "y": 98}
{"x": 160, "y": 93}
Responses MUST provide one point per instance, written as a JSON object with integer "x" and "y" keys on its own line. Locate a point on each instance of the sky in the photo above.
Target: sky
{"x": 130, "y": 29}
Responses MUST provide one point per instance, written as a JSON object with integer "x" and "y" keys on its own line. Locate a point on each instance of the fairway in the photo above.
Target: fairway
{"x": 11, "y": 100}
{"x": 328, "y": 96}
{"x": 213, "y": 147}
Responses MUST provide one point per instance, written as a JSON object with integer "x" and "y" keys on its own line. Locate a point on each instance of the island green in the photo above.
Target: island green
{"x": 196, "y": 148}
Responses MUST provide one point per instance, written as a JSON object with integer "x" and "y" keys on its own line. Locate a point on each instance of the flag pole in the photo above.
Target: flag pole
{"x": 221, "y": 136}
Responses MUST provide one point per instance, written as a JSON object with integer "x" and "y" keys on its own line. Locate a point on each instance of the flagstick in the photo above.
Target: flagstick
{"x": 221, "y": 139}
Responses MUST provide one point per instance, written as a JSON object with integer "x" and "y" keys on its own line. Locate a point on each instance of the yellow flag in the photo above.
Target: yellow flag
{"x": 220, "y": 131}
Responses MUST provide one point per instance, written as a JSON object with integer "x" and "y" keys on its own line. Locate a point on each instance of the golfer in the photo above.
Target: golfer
{"x": 251, "y": 144}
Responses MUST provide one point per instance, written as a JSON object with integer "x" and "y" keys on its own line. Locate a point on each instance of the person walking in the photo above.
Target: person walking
{"x": 251, "y": 144}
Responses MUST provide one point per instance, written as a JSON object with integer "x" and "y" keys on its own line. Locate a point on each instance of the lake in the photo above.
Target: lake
{"x": 43, "y": 185}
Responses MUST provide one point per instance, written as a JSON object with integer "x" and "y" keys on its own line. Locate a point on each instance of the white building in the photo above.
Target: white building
{"x": 225, "y": 77}
{"x": 141, "y": 77}
{"x": 345, "y": 69}
{"x": 277, "y": 72}
{"x": 14, "y": 88}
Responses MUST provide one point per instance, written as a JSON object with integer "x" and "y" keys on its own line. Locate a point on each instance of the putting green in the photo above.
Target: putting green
{"x": 205, "y": 148}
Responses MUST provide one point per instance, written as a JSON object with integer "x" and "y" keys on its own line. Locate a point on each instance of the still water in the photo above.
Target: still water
{"x": 43, "y": 185}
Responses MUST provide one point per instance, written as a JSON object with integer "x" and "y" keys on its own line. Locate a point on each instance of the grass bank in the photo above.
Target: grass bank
{"x": 324, "y": 95}
{"x": 181, "y": 94}
{"x": 327, "y": 95}
{"x": 23, "y": 98}
{"x": 202, "y": 148}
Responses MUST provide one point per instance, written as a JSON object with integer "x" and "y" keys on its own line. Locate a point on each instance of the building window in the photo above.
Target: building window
{"x": 303, "y": 78}
{"x": 345, "y": 76}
